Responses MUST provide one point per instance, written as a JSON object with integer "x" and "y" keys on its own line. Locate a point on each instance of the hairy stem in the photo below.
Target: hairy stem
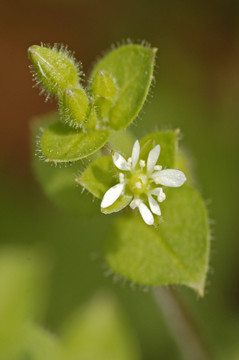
{"x": 179, "y": 321}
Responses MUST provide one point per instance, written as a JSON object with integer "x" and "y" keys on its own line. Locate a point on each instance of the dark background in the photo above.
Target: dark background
{"x": 197, "y": 87}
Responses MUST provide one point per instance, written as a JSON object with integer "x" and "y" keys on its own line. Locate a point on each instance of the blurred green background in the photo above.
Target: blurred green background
{"x": 196, "y": 90}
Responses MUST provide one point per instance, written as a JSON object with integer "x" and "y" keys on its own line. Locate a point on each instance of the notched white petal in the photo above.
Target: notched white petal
{"x": 120, "y": 162}
{"x": 154, "y": 206}
{"x": 169, "y": 177}
{"x": 146, "y": 214}
{"x": 112, "y": 195}
{"x": 135, "y": 153}
{"x": 153, "y": 158}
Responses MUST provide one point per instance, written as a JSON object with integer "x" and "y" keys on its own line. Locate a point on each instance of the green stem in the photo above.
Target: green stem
{"x": 179, "y": 321}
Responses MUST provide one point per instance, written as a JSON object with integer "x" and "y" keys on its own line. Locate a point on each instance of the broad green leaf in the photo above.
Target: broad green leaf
{"x": 58, "y": 183}
{"x": 99, "y": 331}
{"x": 132, "y": 67}
{"x": 99, "y": 176}
{"x": 20, "y": 300}
{"x": 60, "y": 143}
{"x": 174, "y": 253}
{"x": 168, "y": 141}
{"x": 39, "y": 344}
{"x": 122, "y": 141}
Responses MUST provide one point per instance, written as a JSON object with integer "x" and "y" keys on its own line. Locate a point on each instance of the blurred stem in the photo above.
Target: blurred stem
{"x": 179, "y": 321}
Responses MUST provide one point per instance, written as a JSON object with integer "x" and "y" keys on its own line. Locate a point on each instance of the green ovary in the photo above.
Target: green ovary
{"x": 138, "y": 183}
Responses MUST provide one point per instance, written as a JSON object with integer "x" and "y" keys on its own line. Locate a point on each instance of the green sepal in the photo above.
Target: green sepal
{"x": 176, "y": 252}
{"x": 168, "y": 141}
{"x": 118, "y": 205}
{"x": 74, "y": 107}
{"x": 132, "y": 68}
{"x": 55, "y": 68}
{"x": 104, "y": 90}
{"x": 61, "y": 143}
{"x": 99, "y": 176}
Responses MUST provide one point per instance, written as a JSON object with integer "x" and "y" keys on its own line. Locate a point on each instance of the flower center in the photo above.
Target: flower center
{"x": 138, "y": 183}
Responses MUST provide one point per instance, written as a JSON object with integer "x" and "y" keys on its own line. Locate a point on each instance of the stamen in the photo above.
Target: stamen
{"x": 142, "y": 163}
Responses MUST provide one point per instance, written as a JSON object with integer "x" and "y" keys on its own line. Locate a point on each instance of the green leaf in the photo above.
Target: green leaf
{"x": 58, "y": 183}
{"x": 60, "y": 143}
{"x": 99, "y": 331}
{"x": 99, "y": 176}
{"x": 20, "y": 298}
{"x": 122, "y": 141}
{"x": 168, "y": 141}
{"x": 132, "y": 67}
{"x": 176, "y": 252}
{"x": 39, "y": 344}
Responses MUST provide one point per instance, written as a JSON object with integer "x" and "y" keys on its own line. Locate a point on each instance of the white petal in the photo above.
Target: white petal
{"x": 112, "y": 195}
{"x": 135, "y": 153}
{"x": 120, "y": 162}
{"x": 156, "y": 191}
{"x": 146, "y": 214}
{"x": 153, "y": 158}
{"x": 154, "y": 206}
{"x": 169, "y": 177}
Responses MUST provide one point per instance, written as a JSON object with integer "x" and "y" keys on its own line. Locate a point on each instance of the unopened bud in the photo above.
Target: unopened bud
{"x": 54, "y": 68}
{"x": 74, "y": 107}
{"x": 105, "y": 91}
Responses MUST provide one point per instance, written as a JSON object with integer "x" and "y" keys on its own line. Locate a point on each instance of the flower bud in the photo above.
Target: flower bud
{"x": 74, "y": 106}
{"x": 92, "y": 119}
{"x": 105, "y": 91}
{"x": 54, "y": 68}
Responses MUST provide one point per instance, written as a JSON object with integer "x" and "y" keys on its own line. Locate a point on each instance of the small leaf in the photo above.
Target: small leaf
{"x": 132, "y": 68}
{"x": 99, "y": 331}
{"x": 99, "y": 176}
{"x": 60, "y": 143}
{"x": 58, "y": 183}
{"x": 176, "y": 252}
{"x": 74, "y": 107}
{"x": 55, "y": 68}
{"x": 168, "y": 141}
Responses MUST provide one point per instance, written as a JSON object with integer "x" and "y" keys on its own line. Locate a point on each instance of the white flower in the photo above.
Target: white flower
{"x": 139, "y": 182}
